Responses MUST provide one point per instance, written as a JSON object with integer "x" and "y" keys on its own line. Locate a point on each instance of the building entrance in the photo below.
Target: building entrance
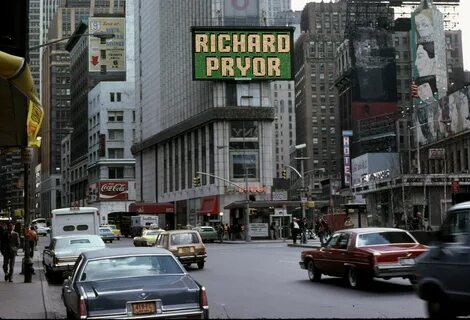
{"x": 282, "y": 225}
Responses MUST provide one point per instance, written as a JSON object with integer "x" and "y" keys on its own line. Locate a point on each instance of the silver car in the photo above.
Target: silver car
{"x": 61, "y": 254}
{"x": 132, "y": 283}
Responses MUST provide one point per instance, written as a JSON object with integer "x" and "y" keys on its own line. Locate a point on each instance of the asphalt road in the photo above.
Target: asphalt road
{"x": 263, "y": 280}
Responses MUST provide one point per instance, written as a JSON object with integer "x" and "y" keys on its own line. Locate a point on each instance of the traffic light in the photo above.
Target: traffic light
{"x": 197, "y": 181}
{"x": 284, "y": 174}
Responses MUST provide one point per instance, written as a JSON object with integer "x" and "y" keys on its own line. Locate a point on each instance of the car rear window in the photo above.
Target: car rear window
{"x": 381, "y": 238}
{"x": 123, "y": 267}
{"x": 184, "y": 238}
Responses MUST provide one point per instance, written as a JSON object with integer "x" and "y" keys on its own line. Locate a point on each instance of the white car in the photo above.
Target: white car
{"x": 42, "y": 229}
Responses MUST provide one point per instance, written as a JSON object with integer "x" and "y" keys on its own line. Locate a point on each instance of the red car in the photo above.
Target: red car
{"x": 362, "y": 254}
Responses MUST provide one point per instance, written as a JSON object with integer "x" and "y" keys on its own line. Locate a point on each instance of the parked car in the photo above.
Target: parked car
{"x": 60, "y": 256}
{"x": 148, "y": 238}
{"x": 132, "y": 283}
{"x": 42, "y": 229}
{"x": 362, "y": 254}
{"x": 443, "y": 273}
{"x": 207, "y": 233}
{"x": 106, "y": 234}
{"x": 186, "y": 245}
{"x": 115, "y": 230}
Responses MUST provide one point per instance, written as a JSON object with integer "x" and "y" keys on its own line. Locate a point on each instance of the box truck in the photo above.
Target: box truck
{"x": 75, "y": 220}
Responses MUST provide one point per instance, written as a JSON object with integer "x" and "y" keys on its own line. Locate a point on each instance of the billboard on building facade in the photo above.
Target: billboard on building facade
{"x": 113, "y": 190}
{"x": 249, "y": 53}
{"x": 444, "y": 117}
{"x": 108, "y": 55}
{"x": 374, "y": 65}
{"x": 374, "y": 167}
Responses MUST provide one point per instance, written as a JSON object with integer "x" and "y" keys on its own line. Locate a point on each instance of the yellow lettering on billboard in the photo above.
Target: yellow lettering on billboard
{"x": 227, "y": 67}
{"x": 239, "y": 43}
{"x": 283, "y": 43}
{"x": 201, "y": 43}
{"x": 243, "y": 68}
{"x": 213, "y": 40}
{"x": 211, "y": 65}
{"x": 274, "y": 67}
{"x": 254, "y": 43}
{"x": 268, "y": 43}
{"x": 259, "y": 67}
{"x": 223, "y": 45}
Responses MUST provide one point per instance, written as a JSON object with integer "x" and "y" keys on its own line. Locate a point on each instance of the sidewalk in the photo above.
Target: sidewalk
{"x": 20, "y": 300}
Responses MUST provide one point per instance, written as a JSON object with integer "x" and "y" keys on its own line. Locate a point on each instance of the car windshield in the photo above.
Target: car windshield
{"x": 456, "y": 225}
{"x": 207, "y": 229}
{"x": 136, "y": 266}
{"x": 184, "y": 238}
{"x": 381, "y": 238}
{"x": 112, "y": 226}
{"x": 105, "y": 230}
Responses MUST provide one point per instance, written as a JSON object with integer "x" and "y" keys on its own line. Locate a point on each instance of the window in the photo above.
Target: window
{"x": 455, "y": 227}
{"x": 116, "y": 173}
{"x": 115, "y": 116}
{"x": 380, "y": 238}
{"x": 111, "y": 96}
{"x": 118, "y": 96}
{"x": 116, "y": 134}
{"x": 116, "y": 153}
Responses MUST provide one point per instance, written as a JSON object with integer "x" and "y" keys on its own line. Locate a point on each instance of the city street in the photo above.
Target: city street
{"x": 263, "y": 280}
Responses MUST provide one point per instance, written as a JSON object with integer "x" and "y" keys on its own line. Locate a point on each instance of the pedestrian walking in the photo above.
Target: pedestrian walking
{"x": 220, "y": 232}
{"x": 273, "y": 228}
{"x": 32, "y": 237}
{"x": 9, "y": 247}
{"x": 322, "y": 230}
{"x": 303, "y": 228}
{"x": 295, "y": 230}
{"x": 226, "y": 232}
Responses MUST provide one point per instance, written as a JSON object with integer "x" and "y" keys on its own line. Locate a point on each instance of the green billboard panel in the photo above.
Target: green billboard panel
{"x": 242, "y": 53}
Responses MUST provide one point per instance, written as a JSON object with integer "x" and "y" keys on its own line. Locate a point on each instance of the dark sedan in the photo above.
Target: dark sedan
{"x": 362, "y": 254}
{"x": 116, "y": 283}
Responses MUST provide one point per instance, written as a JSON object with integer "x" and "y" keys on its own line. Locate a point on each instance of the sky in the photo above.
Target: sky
{"x": 464, "y": 25}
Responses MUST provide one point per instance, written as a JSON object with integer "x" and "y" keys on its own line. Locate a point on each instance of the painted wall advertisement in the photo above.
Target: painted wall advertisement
{"x": 107, "y": 55}
{"x": 113, "y": 190}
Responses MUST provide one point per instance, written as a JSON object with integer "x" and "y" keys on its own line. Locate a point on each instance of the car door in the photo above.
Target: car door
{"x": 70, "y": 288}
{"x": 339, "y": 254}
{"x": 454, "y": 257}
{"x": 326, "y": 259}
{"x": 47, "y": 253}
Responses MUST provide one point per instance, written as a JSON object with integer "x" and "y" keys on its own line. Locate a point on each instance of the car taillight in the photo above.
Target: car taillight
{"x": 203, "y": 298}
{"x": 83, "y": 311}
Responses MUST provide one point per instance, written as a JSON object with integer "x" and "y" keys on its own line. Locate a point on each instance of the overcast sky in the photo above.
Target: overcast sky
{"x": 464, "y": 25}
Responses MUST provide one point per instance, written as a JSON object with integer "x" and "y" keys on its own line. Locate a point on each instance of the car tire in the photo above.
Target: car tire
{"x": 110, "y": 241}
{"x": 439, "y": 308}
{"x": 200, "y": 265}
{"x": 314, "y": 273}
{"x": 357, "y": 280}
{"x": 413, "y": 280}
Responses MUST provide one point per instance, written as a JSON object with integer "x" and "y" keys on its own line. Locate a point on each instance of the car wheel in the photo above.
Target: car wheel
{"x": 413, "y": 280}
{"x": 353, "y": 278}
{"x": 439, "y": 309}
{"x": 200, "y": 265}
{"x": 314, "y": 273}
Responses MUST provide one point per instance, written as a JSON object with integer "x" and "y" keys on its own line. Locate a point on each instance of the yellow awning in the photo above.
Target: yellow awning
{"x": 15, "y": 71}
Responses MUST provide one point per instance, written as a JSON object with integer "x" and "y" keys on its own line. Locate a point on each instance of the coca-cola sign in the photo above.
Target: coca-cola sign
{"x": 113, "y": 190}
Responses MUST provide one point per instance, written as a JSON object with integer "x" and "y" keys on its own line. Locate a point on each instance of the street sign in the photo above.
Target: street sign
{"x": 455, "y": 186}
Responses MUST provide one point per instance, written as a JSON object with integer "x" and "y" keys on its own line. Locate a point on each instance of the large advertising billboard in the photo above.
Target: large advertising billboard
{"x": 443, "y": 117}
{"x": 107, "y": 55}
{"x": 374, "y": 66}
{"x": 242, "y": 54}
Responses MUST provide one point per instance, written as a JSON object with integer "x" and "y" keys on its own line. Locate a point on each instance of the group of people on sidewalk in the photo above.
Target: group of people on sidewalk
{"x": 9, "y": 245}
{"x": 300, "y": 227}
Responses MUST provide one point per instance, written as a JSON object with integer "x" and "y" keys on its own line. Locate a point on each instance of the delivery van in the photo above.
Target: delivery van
{"x": 75, "y": 220}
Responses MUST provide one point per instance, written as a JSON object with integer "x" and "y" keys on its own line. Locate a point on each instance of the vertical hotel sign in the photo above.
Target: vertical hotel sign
{"x": 347, "y": 157}
{"x": 110, "y": 55}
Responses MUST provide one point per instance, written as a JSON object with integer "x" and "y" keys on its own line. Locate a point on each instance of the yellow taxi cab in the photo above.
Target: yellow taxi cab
{"x": 115, "y": 230}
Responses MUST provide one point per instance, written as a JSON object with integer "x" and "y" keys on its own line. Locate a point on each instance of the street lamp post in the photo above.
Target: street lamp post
{"x": 302, "y": 193}
{"x": 101, "y": 35}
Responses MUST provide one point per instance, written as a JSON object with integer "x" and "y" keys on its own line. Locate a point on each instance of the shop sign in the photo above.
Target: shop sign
{"x": 113, "y": 190}
{"x": 258, "y": 189}
{"x": 259, "y": 230}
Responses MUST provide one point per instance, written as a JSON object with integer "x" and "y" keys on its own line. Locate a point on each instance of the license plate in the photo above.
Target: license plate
{"x": 186, "y": 250}
{"x": 407, "y": 262}
{"x": 140, "y": 308}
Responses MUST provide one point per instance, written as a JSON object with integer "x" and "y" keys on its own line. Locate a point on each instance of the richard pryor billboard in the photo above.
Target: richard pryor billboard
{"x": 242, "y": 53}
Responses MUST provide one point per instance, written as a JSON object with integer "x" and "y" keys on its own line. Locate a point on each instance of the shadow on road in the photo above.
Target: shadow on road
{"x": 376, "y": 286}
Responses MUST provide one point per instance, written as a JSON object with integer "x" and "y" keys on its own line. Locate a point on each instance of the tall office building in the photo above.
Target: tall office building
{"x": 316, "y": 98}
{"x": 185, "y": 126}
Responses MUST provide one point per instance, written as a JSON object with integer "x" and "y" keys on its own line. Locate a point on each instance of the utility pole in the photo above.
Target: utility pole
{"x": 26, "y": 155}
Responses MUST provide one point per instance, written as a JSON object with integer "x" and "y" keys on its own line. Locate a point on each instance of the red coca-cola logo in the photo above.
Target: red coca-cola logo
{"x": 113, "y": 190}
{"x": 113, "y": 187}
